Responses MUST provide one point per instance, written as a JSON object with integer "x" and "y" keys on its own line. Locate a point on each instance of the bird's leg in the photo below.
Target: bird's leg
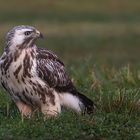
{"x": 51, "y": 109}
{"x": 25, "y": 109}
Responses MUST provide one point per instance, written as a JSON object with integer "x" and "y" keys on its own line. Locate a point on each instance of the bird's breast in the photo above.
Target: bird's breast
{"x": 20, "y": 78}
{"x": 17, "y": 67}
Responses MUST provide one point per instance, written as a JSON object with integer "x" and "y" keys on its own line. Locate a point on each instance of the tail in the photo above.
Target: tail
{"x": 77, "y": 102}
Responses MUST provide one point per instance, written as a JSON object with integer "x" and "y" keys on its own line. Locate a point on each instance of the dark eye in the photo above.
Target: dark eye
{"x": 28, "y": 32}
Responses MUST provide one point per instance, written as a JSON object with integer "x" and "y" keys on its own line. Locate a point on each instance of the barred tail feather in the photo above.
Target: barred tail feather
{"x": 77, "y": 102}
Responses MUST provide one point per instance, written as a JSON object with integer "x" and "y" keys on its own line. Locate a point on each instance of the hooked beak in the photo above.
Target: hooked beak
{"x": 39, "y": 34}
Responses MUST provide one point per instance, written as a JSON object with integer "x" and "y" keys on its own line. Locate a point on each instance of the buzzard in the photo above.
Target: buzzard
{"x": 35, "y": 78}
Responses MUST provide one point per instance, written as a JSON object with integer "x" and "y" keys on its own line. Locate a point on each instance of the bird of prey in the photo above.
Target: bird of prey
{"x": 35, "y": 78}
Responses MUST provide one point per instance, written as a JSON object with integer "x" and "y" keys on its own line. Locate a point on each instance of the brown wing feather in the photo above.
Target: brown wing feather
{"x": 52, "y": 70}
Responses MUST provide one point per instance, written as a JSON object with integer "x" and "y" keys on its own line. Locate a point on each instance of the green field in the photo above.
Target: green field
{"x": 99, "y": 42}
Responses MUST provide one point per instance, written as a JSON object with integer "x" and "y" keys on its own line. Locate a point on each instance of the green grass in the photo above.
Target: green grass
{"x": 99, "y": 42}
{"x": 116, "y": 93}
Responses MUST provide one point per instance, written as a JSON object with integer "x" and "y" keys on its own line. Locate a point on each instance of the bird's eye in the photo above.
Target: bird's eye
{"x": 28, "y": 32}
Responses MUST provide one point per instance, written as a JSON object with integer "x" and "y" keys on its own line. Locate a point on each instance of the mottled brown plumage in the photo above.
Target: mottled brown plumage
{"x": 35, "y": 78}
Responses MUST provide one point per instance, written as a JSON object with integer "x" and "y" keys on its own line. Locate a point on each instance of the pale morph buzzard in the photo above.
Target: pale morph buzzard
{"x": 35, "y": 78}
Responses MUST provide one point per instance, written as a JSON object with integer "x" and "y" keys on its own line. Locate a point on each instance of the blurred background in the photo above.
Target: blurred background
{"x": 97, "y": 32}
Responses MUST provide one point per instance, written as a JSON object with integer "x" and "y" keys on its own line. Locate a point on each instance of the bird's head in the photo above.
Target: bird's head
{"x": 23, "y": 36}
